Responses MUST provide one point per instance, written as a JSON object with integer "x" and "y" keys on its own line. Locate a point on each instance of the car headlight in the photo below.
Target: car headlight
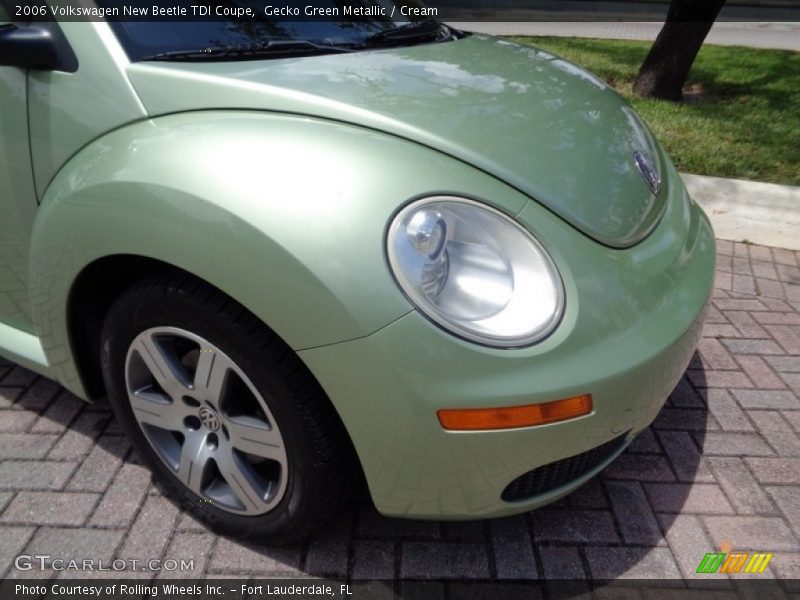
{"x": 475, "y": 272}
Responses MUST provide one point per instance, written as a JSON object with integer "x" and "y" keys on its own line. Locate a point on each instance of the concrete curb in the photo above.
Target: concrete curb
{"x": 762, "y": 213}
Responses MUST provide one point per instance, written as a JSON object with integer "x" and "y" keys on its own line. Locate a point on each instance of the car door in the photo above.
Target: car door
{"x": 17, "y": 196}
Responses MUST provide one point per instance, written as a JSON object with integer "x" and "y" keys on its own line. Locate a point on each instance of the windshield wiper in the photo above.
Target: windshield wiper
{"x": 272, "y": 49}
{"x": 418, "y": 31}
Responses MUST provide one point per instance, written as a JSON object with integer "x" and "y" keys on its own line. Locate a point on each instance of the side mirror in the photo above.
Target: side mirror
{"x": 35, "y": 47}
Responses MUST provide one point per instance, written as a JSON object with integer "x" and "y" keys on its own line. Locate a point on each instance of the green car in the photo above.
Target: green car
{"x": 300, "y": 255}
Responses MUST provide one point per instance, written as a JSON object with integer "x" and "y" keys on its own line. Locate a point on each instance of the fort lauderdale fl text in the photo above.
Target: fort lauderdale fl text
{"x": 238, "y": 12}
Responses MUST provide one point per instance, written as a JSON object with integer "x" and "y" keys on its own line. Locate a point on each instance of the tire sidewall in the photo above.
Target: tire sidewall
{"x": 134, "y": 314}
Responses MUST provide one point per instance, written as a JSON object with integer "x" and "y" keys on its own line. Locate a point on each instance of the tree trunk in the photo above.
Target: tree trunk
{"x": 666, "y": 67}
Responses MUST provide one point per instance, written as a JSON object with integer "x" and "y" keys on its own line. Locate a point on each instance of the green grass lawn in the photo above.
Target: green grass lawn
{"x": 741, "y": 119}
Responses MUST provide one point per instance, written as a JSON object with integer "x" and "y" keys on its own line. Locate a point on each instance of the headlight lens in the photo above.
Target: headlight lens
{"x": 475, "y": 272}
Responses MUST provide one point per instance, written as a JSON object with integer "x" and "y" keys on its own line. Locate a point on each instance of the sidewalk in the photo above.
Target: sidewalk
{"x": 785, "y": 36}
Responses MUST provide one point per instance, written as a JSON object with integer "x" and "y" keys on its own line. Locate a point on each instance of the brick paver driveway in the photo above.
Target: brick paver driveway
{"x": 721, "y": 464}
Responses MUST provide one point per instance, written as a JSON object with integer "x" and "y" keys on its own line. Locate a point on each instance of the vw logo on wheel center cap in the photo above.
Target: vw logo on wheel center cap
{"x": 648, "y": 172}
{"x": 209, "y": 418}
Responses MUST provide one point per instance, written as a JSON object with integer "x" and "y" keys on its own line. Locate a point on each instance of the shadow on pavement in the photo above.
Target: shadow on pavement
{"x": 614, "y": 527}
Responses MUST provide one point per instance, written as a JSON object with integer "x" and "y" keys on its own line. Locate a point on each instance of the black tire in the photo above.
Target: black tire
{"x": 321, "y": 461}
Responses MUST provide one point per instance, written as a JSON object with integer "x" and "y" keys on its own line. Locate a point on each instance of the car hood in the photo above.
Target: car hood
{"x": 535, "y": 121}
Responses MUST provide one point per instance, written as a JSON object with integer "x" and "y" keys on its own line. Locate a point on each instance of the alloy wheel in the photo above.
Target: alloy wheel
{"x": 206, "y": 420}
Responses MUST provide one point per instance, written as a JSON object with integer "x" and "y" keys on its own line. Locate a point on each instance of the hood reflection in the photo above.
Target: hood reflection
{"x": 539, "y": 123}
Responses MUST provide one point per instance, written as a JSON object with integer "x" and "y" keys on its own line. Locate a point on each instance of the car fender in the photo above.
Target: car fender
{"x": 286, "y": 214}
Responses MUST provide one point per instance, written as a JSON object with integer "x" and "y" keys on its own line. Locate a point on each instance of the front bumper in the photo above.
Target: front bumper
{"x": 632, "y": 322}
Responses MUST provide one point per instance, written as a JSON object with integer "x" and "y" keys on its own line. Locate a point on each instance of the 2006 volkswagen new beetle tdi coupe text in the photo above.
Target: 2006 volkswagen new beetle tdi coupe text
{"x": 301, "y": 256}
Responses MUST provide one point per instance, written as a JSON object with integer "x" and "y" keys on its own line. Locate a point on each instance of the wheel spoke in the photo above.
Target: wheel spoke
{"x": 206, "y": 420}
{"x": 210, "y": 375}
{"x": 252, "y": 436}
{"x": 160, "y": 366}
{"x": 241, "y": 482}
{"x": 195, "y": 454}
{"x": 155, "y": 410}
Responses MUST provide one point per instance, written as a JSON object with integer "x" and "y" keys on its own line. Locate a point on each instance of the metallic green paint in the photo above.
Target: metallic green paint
{"x": 69, "y": 110}
{"x": 275, "y": 182}
{"x": 537, "y": 122}
{"x": 285, "y": 214}
{"x": 24, "y": 348}
{"x": 630, "y": 327}
{"x": 17, "y": 202}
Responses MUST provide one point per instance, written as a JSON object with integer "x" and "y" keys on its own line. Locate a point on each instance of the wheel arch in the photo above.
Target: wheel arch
{"x": 90, "y": 297}
{"x": 186, "y": 190}
{"x": 94, "y": 291}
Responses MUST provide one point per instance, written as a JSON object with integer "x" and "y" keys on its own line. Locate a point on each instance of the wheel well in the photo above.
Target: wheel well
{"x": 92, "y": 294}
{"x": 94, "y": 291}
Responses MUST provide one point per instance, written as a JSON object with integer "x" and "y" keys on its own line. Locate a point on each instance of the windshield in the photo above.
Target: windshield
{"x": 336, "y": 24}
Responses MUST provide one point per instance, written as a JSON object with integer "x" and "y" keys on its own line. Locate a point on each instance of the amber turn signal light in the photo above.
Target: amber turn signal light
{"x": 511, "y": 417}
